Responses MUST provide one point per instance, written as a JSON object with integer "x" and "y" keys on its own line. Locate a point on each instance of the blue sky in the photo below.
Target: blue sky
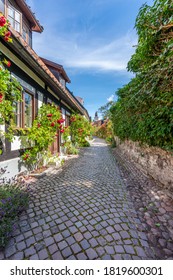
{"x": 93, "y": 40}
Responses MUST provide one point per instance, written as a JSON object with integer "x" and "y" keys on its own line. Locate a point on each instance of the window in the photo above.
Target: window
{"x": 28, "y": 109}
{"x": 67, "y": 120}
{"x": 62, "y": 81}
{"x": 17, "y": 113}
{"x": 14, "y": 18}
{"x": 27, "y": 34}
{"x": 40, "y": 99}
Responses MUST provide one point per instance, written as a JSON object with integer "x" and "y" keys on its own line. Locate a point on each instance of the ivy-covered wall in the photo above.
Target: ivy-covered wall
{"x": 144, "y": 110}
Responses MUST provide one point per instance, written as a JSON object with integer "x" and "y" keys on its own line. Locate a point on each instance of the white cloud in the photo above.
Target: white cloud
{"x": 111, "y": 98}
{"x": 96, "y": 54}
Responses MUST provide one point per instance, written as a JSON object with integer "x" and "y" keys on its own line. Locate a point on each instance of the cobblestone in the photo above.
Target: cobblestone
{"x": 83, "y": 212}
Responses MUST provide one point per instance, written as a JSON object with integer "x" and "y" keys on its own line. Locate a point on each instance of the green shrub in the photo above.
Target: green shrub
{"x": 84, "y": 144}
{"x": 13, "y": 200}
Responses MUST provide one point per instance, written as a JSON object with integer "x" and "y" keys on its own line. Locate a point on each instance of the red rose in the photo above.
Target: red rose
{"x": 6, "y": 38}
{"x": 1, "y": 97}
{"x": 8, "y": 34}
{"x": 60, "y": 121}
{"x": 26, "y": 157}
{"x": 49, "y": 115}
{"x": 72, "y": 119}
{"x": 62, "y": 130}
{"x": 8, "y": 63}
{"x": 2, "y": 21}
{"x": 52, "y": 124}
{"x": 38, "y": 125}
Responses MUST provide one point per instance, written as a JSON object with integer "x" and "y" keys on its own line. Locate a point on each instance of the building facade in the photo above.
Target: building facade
{"x": 42, "y": 81}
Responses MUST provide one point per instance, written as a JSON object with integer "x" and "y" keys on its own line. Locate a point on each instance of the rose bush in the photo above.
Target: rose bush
{"x": 42, "y": 134}
{"x": 80, "y": 129}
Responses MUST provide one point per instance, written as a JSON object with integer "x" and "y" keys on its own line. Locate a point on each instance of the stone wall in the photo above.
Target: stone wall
{"x": 154, "y": 161}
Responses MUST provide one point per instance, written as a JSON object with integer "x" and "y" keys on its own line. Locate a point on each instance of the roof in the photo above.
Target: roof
{"x": 37, "y": 64}
{"x": 57, "y": 67}
{"x": 26, "y": 10}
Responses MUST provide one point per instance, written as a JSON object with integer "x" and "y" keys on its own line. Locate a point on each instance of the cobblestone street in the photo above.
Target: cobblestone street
{"x": 83, "y": 212}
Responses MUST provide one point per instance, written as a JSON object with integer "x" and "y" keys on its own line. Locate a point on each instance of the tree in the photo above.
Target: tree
{"x": 105, "y": 109}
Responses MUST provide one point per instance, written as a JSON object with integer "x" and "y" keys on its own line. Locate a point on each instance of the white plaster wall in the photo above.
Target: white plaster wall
{"x": 12, "y": 168}
{"x": 16, "y": 144}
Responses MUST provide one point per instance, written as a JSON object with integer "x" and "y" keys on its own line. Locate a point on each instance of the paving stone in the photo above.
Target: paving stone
{"x": 84, "y": 243}
{"x": 66, "y": 252}
{"x": 110, "y": 250}
{"x": 73, "y": 229}
{"x": 38, "y": 237}
{"x": 100, "y": 251}
{"x": 93, "y": 242}
{"x": 53, "y": 248}
{"x": 124, "y": 234}
{"x": 43, "y": 254}
{"x": 78, "y": 236}
{"x": 57, "y": 256}
{"x": 91, "y": 254}
{"x": 66, "y": 233}
{"x": 34, "y": 225}
{"x": 30, "y": 251}
{"x": 140, "y": 251}
{"x": 129, "y": 249}
{"x": 28, "y": 234}
{"x": 49, "y": 241}
{"x": 18, "y": 256}
{"x": 110, "y": 229}
{"x": 39, "y": 246}
{"x": 81, "y": 256}
{"x": 117, "y": 257}
{"x": 76, "y": 248}
{"x": 118, "y": 249}
{"x": 21, "y": 245}
{"x": 34, "y": 257}
{"x": 62, "y": 245}
{"x": 116, "y": 236}
{"x": 19, "y": 238}
{"x": 29, "y": 241}
{"x": 58, "y": 237}
{"x": 106, "y": 257}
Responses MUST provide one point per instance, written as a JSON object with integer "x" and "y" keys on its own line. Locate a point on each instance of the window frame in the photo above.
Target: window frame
{"x": 23, "y": 107}
{"x": 28, "y": 38}
{"x": 18, "y": 114}
{"x": 14, "y": 10}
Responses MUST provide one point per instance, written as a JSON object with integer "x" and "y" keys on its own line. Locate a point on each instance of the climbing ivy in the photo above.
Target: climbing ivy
{"x": 144, "y": 110}
{"x": 10, "y": 89}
